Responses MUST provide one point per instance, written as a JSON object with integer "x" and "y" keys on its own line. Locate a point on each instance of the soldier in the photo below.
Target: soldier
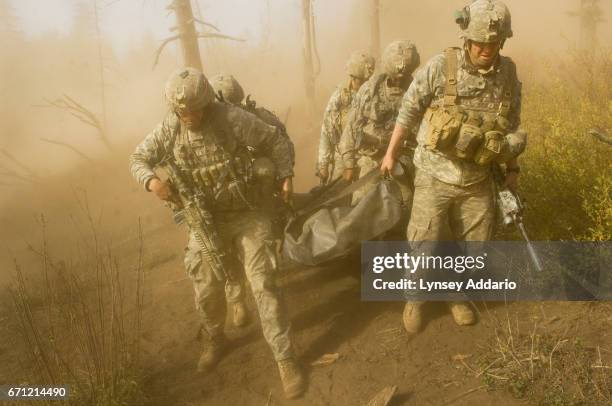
{"x": 464, "y": 105}
{"x": 373, "y": 113}
{"x": 359, "y": 67}
{"x": 228, "y": 89}
{"x": 200, "y": 134}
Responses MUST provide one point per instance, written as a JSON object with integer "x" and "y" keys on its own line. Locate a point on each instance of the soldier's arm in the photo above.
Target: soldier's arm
{"x": 514, "y": 115}
{"x": 516, "y": 138}
{"x": 253, "y": 132}
{"x": 420, "y": 94}
{"x": 330, "y": 131}
{"x": 152, "y": 151}
{"x": 415, "y": 102}
{"x": 348, "y": 139}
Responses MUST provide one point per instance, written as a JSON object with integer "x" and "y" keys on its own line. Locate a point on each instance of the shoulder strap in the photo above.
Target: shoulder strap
{"x": 504, "y": 105}
{"x": 450, "y": 90}
{"x": 218, "y": 116}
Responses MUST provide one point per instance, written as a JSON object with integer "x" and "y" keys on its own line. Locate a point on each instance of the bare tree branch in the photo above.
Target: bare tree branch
{"x": 601, "y": 136}
{"x": 161, "y": 48}
{"x": 70, "y": 147}
{"x": 200, "y": 35}
{"x": 197, "y": 20}
{"x": 215, "y": 35}
{"x": 19, "y": 164}
{"x": 80, "y": 112}
{"x": 9, "y": 173}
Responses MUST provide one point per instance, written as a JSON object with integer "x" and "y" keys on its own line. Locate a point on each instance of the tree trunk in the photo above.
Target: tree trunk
{"x": 309, "y": 77}
{"x": 375, "y": 28}
{"x": 104, "y": 126}
{"x": 188, "y": 36}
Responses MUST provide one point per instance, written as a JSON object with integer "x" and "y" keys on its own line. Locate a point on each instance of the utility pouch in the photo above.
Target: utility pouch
{"x": 375, "y": 136}
{"x": 443, "y": 128}
{"x": 490, "y": 148}
{"x": 469, "y": 139}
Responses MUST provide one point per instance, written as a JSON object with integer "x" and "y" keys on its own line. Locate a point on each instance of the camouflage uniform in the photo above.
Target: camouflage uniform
{"x": 226, "y": 130}
{"x": 359, "y": 67}
{"x": 463, "y": 117}
{"x": 229, "y": 90}
{"x": 334, "y": 121}
{"x": 454, "y": 197}
{"x": 373, "y": 113}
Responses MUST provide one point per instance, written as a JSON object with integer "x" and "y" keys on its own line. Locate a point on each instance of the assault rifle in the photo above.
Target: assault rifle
{"x": 512, "y": 208}
{"x": 190, "y": 208}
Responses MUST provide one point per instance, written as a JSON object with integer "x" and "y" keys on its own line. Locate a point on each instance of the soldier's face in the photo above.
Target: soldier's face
{"x": 190, "y": 118}
{"x": 483, "y": 54}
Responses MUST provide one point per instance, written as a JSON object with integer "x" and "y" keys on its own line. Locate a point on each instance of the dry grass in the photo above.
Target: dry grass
{"x": 544, "y": 367}
{"x": 80, "y": 323}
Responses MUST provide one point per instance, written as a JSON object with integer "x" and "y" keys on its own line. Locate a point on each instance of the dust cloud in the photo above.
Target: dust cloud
{"x": 113, "y": 78}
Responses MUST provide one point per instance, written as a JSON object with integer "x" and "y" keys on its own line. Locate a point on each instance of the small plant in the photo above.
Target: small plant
{"x": 567, "y": 177}
{"x": 81, "y": 324}
{"x": 545, "y": 368}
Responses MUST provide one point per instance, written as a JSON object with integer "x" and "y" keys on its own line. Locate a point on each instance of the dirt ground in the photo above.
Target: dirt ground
{"x": 328, "y": 317}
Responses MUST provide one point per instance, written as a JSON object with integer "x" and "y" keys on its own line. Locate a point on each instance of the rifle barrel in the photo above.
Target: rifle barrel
{"x": 535, "y": 260}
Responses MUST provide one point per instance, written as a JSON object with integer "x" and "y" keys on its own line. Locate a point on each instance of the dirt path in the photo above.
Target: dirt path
{"x": 328, "y": 317}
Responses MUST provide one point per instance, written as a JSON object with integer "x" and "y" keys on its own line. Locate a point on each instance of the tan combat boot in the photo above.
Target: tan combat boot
{"x": 413, "y": 317}
{"x": 213, "y": 351}
{"x": 462, "y": 313}
{"x": 292, "y": 378}
{"x": 240, "y": 314}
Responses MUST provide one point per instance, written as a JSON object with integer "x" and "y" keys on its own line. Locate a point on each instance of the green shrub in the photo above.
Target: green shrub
{"x": 566, "y": 171}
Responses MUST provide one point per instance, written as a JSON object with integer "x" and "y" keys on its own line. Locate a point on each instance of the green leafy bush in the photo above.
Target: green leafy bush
{"x": 566, "y": 177}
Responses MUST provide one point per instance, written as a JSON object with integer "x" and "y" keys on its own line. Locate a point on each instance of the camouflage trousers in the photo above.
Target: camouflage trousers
{"x": 366, "y": 164}
{"x": 337, "y": 167}
{"x": 250, "y": 236}
{"x": 444, "y": 212}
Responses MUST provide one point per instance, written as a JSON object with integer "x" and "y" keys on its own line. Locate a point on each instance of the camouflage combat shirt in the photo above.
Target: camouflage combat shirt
{"x": 334, "y": 120}
{"x": 268, "y": 117}
{"x": 226, "y": 130}
{"x": 476, "y": 90}
{"x": 374, "y": 109}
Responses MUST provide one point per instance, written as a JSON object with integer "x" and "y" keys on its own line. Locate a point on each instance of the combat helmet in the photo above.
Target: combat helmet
{"x": 188, "y": 89}
{"x": 400, "y": 57}
{"x": 360, "y": 65}
{"x": 228, "y": 88}
{"x": 485, "y": 21}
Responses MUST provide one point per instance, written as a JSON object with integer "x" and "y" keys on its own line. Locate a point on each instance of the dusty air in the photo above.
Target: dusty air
{"x": 255, "y": 202}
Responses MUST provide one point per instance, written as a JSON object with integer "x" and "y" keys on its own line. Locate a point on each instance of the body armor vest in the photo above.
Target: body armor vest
{"x": 217, "y": 165}
{"x": 470, "y": 120}
{"x": 380, "y": 117}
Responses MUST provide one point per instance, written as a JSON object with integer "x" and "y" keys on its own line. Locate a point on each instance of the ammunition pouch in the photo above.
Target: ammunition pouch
{"x": 264, "y": 184}
{"x": 444, "y": 125}
{"x": 209, "y": 176}
{"x": 468, "y": 142}
{"x": 490, "y": 148}
{"x": 466, "y": 134}
{"x": 377, "y": 136}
